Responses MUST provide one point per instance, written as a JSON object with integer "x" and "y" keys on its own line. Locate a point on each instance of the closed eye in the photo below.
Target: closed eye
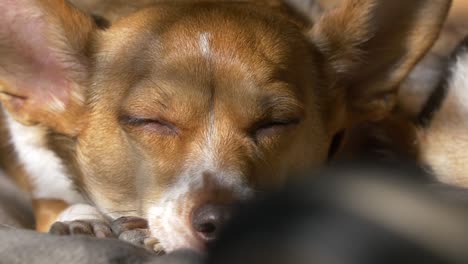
{"x": 151, "y": 125}
{"x": 272, "y": 127}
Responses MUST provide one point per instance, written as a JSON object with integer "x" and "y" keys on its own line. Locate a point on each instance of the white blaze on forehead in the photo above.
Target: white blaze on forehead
{"x": 208, "y": 148}
{"x": 204, "y": 43}
{"x": 209, "y": 160}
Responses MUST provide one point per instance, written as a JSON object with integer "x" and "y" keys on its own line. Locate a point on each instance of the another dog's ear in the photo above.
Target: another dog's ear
{"x": 370, "y": 46}
{"x": 44, "y": 61}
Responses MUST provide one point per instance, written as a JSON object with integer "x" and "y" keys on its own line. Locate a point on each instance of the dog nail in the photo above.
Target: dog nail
{"x": 150, "y": 242}
{"x": 158, "y": 249}
{"x": 102, "y": 230}
{"x": 60, "y": 229}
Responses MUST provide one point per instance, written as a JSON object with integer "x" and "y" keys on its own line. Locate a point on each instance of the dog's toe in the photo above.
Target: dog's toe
{"x": 60, "y": 229}
{"x": 131, "y": 229}
{"x": 135, "y": 230}
{"x": 102, "y": 230}
{"x": 128, "y": 223}
{"x": 153, "y": 244}
{"x": 80, "y": 228}
{"x": 96, "y": 228}
{"x": 136, "y": 236}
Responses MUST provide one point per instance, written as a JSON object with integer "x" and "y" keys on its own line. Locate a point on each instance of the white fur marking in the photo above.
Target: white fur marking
{"x": 81, "y": 212}
{"x": 57, "y": 105}
{"x": 208, "y": 149}
{"x": 169, "y": 216}
{"x": 169, "y": 224}
{"x": 45, "y": 168}
{"x": 204, "y": 43}
{"x": 459, "y": 84}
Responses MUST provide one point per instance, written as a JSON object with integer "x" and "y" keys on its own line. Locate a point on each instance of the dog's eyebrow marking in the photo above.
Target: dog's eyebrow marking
{"x": 204, "y": 43}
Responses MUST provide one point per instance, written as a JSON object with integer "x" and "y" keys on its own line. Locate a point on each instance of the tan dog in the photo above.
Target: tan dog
{"x": 176, "y": 110}
{"x": 442, "y": 131}
{"x": 429, "y": 124}
{"x": 442, "y": 123}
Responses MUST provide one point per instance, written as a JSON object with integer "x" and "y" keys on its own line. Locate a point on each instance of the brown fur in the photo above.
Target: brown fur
{"x": 46, "y": 213}
{"x": 441, "y": 146}
{"x": 263, "y": 90}
{"x": 392, "y": 139}
{"x": 8, "y": 160}
{"x": 415, "y": 91}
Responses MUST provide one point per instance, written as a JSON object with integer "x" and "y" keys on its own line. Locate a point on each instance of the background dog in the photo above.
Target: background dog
{"x": 429, "y": 122}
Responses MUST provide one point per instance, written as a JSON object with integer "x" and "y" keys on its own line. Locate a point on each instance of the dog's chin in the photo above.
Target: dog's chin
{"x": 172, "y": 230}
{"x": 173, "y": 241}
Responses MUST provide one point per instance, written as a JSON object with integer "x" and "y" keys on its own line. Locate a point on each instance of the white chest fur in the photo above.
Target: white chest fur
{"x": 45, "y": 169}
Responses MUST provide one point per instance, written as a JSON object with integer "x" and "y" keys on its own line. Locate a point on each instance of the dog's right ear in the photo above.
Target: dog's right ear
{"x": 44, "y": 62}
{"x": 368, "y": 48}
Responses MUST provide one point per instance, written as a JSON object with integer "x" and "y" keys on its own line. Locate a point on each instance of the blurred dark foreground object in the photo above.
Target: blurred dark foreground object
{"x": 341, "y": 215}
{"x": 21, "y": 246}
{"x": 15, "y": 205}
{"x": 29, "y": 247}
{"x": 352, "y": 215}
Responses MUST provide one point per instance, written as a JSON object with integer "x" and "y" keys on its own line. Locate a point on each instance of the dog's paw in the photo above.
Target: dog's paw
{"x": 135, "y": 230}
{"x": 96, "y": 228}
{"x": 131, "y": 229}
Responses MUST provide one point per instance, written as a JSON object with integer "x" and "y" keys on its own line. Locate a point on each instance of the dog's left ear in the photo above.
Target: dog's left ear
{"x": 369, "y": 47}
{"x": 44, "y": 62}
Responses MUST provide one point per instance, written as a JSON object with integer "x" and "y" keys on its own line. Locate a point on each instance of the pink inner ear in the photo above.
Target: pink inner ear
{"x": 31, "y": 63}
{"x": 46, "y": 85}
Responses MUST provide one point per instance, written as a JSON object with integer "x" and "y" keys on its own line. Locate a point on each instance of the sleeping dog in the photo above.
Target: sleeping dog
{"x": 174, "y": 110}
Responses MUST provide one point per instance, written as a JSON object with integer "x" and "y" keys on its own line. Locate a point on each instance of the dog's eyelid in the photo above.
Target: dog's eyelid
{"x": 272, "y": 126}
{"x": 161, "y": 124}
{"x": 277, "y": 122}
{"x": 137, "y": 119}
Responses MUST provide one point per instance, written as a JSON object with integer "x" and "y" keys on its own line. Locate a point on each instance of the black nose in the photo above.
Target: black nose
{"x": 208, "y": 219}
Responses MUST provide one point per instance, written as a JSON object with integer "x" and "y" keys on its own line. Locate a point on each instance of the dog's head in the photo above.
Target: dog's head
{"x": 180, "y": 109}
